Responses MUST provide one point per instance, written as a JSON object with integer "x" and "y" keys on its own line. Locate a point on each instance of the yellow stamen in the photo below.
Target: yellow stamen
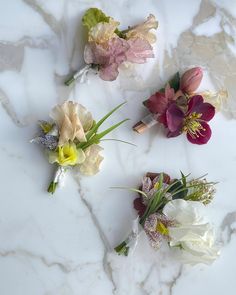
{"x": 162, "y": 229}
{"x": 193, "y": 126}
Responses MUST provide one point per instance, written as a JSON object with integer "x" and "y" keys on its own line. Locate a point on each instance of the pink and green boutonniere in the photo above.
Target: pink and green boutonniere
{"x": 180, "y": 109}
{"x": 107, "y": 47}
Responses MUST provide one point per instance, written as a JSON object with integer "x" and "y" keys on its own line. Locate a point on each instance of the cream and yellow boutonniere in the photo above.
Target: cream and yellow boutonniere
{"x": 72, "y": 139}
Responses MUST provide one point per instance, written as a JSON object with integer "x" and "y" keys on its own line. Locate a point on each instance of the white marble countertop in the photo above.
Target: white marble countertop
{"x": 62, "y": 245}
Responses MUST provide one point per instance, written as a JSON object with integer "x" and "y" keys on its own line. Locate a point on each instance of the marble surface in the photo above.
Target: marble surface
{"x": 63, "y": 245}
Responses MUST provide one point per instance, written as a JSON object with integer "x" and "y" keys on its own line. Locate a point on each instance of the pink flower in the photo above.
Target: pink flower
{"x": 147, "y": 187}
{"x": 191, "y": 80}
{"x": 156, "y": 229}
{"x": 158, "y": 102}
{"x": 108, "y": 57}
{"x": 139, "y": 51}
{"x": 193, "y": 122}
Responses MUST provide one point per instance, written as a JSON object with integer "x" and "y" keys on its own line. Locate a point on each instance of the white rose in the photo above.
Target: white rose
{"x": 192, "y": 233}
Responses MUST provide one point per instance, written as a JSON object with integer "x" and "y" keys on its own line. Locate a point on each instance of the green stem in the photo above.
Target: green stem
{"x": 122, "y": 249}
{"x": 52, "y": 187}
{"x": 70, "y": 81}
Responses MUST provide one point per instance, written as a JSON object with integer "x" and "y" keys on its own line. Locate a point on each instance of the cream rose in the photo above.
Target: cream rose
{"x": 191, "y": 233}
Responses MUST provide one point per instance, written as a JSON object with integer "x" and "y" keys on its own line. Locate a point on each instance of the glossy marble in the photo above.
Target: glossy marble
{"x": 62, "y": 245}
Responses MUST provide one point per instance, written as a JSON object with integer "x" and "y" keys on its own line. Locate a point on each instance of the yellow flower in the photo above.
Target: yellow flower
{"x": 143, "y": 30}
{"x": 103, "y": 32}
{"x": 67, "y": 155}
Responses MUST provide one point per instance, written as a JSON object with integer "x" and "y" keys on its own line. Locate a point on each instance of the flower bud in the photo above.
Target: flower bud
{"x": 191, "y": 80}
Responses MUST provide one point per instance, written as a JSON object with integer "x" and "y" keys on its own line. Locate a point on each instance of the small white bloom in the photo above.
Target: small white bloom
{"x": 191, "y": 233}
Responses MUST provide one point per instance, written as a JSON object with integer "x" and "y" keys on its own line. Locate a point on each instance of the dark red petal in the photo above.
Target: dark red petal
{"x": 157, "y": 103}
{"x": 207, "y": 110}
{"x": 139, "y": 206}
{"x": 174, "y": 134}
{"x": 204, "y": 137}
{"x": 175, "y": 117}
{"x": 162, "y": 119}
{"x": 194, "y": 102}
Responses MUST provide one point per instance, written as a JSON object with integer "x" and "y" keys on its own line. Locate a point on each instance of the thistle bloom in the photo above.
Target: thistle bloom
{"x": 193, "y": 122}
{"x": 191, "y": 80}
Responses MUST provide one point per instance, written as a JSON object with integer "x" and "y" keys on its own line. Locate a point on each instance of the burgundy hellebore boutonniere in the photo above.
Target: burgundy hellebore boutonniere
{"x": 107, "y": 47}
{"x": 180, "y": 109}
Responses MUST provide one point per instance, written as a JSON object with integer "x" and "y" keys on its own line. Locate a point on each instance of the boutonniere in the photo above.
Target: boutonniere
{"x": 71, "y": 139}
{"x": 180, "y": 109}
{"x": 171, "y": 210}
{"x": 107, "y": 47}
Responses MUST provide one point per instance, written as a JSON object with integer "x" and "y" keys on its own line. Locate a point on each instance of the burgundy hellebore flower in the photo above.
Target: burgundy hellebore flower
{"x": 193, "y": 122}
{"x": 191, "y": 80}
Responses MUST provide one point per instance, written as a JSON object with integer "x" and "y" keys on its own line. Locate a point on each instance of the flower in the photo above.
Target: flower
{"x": 73, "y": 120}
{"x": 67, "y": 155}
{"x": 108, "y": 58}
{"x": 149, "y": 187}
{"x": 193, "y": 122}
{"x": 217, "y": 99}
{"x": 143, "y": 30}
{"x": 158, "y": 102}
{"x": 103, "y": 32}
{"x": 201, "y": 191}
{"x": 191, "y": 80}
{"x": 139, "y": 50}
{"x": 156, "y": 228}
{"x": 92, "y": 161}
{"x": 191, "y": 233}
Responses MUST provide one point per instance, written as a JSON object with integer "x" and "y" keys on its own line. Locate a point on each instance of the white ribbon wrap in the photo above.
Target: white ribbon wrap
{"x": 150, "y": 120}
{"x": 132, "y": 239}
{"x": 82, "y": 74}
{"x": 59, "y": 176}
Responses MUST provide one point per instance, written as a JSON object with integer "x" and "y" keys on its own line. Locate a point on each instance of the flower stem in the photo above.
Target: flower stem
{"x": 122, "y": 249}
{"x": 52, "y": 187}
{"x": 70, "y": 81}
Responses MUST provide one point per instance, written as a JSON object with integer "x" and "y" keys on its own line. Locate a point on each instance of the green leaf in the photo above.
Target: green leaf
{"x": 183, "y": 178}
{"x": 96, "y": 138}
{"x": 178, "y": 190}
{"x": 94, "y": 16}
{"x": 94, "y": 129}
{"x": 175, "y": 82}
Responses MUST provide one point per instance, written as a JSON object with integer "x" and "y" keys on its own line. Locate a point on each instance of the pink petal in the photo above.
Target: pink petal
{"x": 109, "y": 72}
{"x": 169, "y": 92}
{"x": 203, "y": 137}
{"x": 191, "y": 80}
{"x": 157, "y": 103}
{"x": 139, "y": 51}
{"x": 174, "y": 116}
